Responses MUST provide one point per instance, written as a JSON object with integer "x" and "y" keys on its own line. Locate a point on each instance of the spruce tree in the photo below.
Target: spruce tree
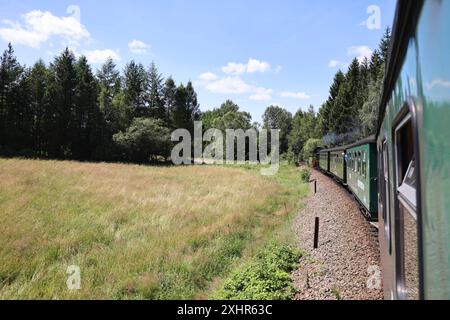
{"x": 192, "y": 105}
{"x": 109, "y": 82}
{"x": 353, "y": 97}
{"x": 169, "y": 98}
{"x": 365, "y": 74}
{"x": 87, "y": 114}
{"x": 385, "y": 44}
{"x": 180, "y": 113}
{"x": 38, "y": 87}
{"x": 136, "y": 88}
{"x": 329, "y": 109}
{"x": 155, "y": 95}
{"x": 376, "y": 65}
{"x": 60, "y": 118}
{"x": 112, "y": 120}
{"x": 11, "y": 73}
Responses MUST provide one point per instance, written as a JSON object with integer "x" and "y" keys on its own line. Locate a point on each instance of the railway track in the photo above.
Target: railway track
{"x": 347, "y": 250}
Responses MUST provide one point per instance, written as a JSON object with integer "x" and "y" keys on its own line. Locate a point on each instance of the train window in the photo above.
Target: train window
{"x": 407, "y": 189}
{"x": 353, "y": 162}
{"x": 364, "y": 164}
{"x": 406, "y": 215}
{"x": 405, "y": 148}
{"x": 359, "y": 163}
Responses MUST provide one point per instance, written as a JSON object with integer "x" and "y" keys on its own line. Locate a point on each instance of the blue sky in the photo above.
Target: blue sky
{"x": 255, "y": 52}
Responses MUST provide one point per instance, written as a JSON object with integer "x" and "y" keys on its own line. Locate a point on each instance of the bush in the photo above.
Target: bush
{"x": 145, "y": 139}
{"x": 266, "y": 277}
{"x": 305, "y": 175}
{"x": 292, "y": 158}
{"x": 310, "y": 146}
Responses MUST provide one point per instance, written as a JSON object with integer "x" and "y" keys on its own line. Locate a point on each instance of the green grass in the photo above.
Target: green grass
{"x": 136, "y": 232}
{"x": 265, "y": 277}
{"x": 336, "y": 293}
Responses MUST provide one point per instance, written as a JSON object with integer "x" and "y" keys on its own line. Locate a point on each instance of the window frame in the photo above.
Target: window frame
{"x": 359, "y": 163}
{"x": 364, "y": 165}
{"x": 406, "y": 114}
{"x": 386, "y": 192}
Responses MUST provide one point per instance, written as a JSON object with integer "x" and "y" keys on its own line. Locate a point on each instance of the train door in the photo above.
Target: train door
{"x": 385, "y": 196}
{"x": 386, "y": 221}
{"x": 406, "y": 218}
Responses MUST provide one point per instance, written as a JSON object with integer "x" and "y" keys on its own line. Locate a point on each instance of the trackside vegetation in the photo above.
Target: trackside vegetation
{"x": 141, "y": 232}
{"x": 266, "y": 277}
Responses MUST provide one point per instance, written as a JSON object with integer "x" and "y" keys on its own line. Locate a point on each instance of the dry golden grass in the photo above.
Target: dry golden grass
{"x": 136, "y": 232}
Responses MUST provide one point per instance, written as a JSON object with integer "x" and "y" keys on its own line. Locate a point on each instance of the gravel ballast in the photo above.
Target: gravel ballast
{"x": 348, "y": 247}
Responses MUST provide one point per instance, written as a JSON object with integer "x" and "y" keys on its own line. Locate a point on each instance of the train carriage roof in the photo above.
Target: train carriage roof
{"x": 368, "y": 140}
{"x": 405, "y": 22}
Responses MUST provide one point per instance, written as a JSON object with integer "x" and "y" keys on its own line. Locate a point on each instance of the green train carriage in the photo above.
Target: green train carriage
{"x": 413, "y": 143}
{"x": 332, "y": 161}
{"x": 362, "y": 173}
{"x": 324, "y": 160}
{"x": 413, "y": 156}
{"x": 338, "y": 167}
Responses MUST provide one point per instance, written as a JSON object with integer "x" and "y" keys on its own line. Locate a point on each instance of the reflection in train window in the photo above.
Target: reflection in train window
{"x": 407, "y": 242}
{"x": 359, "y": 163}
{"x": 364, "y": 164}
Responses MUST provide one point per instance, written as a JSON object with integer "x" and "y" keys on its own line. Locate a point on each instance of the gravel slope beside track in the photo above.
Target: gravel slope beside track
{"x": 348, "y": 246}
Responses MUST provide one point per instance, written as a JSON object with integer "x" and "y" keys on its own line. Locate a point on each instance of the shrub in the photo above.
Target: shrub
{"x": 310, "y": 146}
{"x": 266, "y": 277}
{"x": 292, "y": 158}
{"x": 305, "y": 175}
{"x": 146, "y": 138}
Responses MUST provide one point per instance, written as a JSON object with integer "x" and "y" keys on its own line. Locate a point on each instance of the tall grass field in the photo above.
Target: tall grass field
{"x": 135, "y": 232}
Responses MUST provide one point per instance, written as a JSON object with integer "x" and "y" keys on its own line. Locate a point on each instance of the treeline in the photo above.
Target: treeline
{"x": 351, "y": 111}
{"x": 65, "y": 111}
{"x": 349, "y": 114}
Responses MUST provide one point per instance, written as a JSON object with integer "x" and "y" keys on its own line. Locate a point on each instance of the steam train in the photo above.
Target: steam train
{"x": 401, "y": 175}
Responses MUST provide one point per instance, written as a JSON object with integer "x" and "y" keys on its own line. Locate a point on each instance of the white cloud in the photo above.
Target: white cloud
{"x": 233, "y": 85}
{"x": 100, "y": 56}
{"x": 229, "y": 85}
{"x": 439, "y": 82}
{"x": 262, "y": 94}
{"x": 360, "y": 52}
{"x": 208, "y": 76}
{"x": 234, "y": 68}
{"x": 294, "y": 95}
{"x": 252, "y": 66}
{"x": 333, "y": 63}
{"x": 278, "y": 69}
{"x": 39, "y": 26}
{"x": 138, "y": 47}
